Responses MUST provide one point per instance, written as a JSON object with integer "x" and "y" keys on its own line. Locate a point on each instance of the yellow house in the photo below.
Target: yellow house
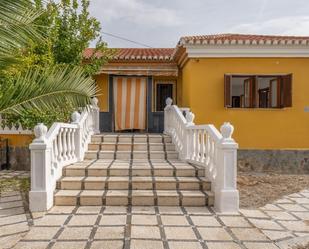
{"x": 258, "y": 83}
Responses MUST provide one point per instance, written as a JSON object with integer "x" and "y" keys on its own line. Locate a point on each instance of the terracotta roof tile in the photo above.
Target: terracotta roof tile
{"x": 137, "y": 54}
{"x": 244, "y": 39}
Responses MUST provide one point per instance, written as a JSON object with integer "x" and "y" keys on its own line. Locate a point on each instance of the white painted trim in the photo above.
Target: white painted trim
{"x": 209, "y": 51}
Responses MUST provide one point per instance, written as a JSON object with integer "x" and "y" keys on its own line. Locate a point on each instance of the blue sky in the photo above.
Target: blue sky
{"x": 160, "y": 23}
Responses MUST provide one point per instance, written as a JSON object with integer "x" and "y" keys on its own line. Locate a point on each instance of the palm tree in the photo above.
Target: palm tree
{"x": 36, "y": 89}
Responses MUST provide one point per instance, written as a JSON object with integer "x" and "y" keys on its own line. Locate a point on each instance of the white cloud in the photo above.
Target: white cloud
{"x": 135, "y": 11}
{"x": 290, "y": 25}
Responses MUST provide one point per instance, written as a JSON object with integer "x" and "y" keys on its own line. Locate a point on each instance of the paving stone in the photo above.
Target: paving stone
{"x": 205, "y": 221}
{"x": 8, "y": 198}
{"x": 142, "y": 232}
{"x": 252, "y": 245}
{"x": 113, "y": 220}
{"x": 13, "y": 219}
{"x": 212, "y": 233}
{"x": 39, "y": 233}
{"x": 184, "y": 245}
{"x": 146, "y": 244}
{"x": 292, "y": 207}
{"x": 302, "y": 215}
{"x": 14, "y": 228}
{"x": 143, "y": 210}
{"x": 144, "y": 220}
{"x": 170, "y": 210}
{"x": 75, "y": 233}
{"x": 266, "y": 224}
{"x": 107, "y": 244}
{"x": 31, "y": 245}
{"x": 221, "y": 245}
{"x": 248, "y": 234}
{"x": 235, "y": 221}
{"x": 277, "y": 235}
{"x": 83, "y": 220}
{"x": 253, "y": 213}
{"x": 301, "y": 200}
{"x": 278, "y": 215}
{"x": 12, "y": 204}
{"x": 8, "y": 242}
{"x": 298, "y": 242}
{"x": 11, "y": 211}
{"x": 61, "y": 210}
{"x": 110, "y": 233}
{"x": 174, "y": 220}
{"x": 88, "y": 210}
{"x": 198, "y": 210}
{"x": 298, "y": 226}
{"x": 51, "y": 220}
{"x": 115, "y": 210}
{"x": 179, "y": 233}
{"x": 271, "y": 207}
{"x": 69, "y": 245}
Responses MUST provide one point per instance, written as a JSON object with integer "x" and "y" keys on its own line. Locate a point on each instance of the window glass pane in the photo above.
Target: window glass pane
{"x": 240, "y": 91}
{"x": 267, "y": 91}
{"x": 164, "y": 91}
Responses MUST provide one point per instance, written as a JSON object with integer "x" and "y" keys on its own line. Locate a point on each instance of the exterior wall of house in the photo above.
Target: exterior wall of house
{"x": 102, "y": 83}
{"x": 288, "y": 128}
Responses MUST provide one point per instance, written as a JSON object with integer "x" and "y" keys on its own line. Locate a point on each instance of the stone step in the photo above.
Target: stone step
{"x": 102, "y": 167}
{"x": 131, "y": 147}
{"x": 134, "y": 197}
{"x": 95, "y": 154}
{"x": 152, "y": 138}
{"x": 135, "y": 183}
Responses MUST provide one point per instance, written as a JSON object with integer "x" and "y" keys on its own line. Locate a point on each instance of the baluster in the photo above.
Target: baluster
{"x": 55, "y": 152}
{"x": 196, "y": 145}
{"x": 202, "y": 160}
{"x": 73, "y": 154}
{"x": 69, "y": 143}
{"x": 64, "y": 144}
{"x": 207, "y": 159}
{"x": 60, "y": 151}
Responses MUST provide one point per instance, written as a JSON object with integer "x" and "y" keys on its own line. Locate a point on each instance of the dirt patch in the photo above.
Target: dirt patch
{"x": 258, "y": 189}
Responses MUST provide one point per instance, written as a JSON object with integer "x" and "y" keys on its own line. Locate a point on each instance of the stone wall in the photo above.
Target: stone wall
{"x": 279, "y": 161}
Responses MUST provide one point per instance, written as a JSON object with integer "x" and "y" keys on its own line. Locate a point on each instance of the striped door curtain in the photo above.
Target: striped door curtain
{"x": 129, "y": 103}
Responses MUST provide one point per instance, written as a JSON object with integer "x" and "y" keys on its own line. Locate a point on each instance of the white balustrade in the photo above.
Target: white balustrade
{"x": 205, "y": 146}
{"x": 51, "y": 150}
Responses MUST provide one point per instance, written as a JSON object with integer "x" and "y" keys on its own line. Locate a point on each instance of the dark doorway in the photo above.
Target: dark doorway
{"x": 164, "y": 91}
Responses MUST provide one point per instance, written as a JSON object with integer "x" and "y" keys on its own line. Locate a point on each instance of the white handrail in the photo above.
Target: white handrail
{"x": 205, "y": 146}
{"x": 63, "y": 144}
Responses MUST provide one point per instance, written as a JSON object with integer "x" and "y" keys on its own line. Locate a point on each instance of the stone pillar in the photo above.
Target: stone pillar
{"x": 41, "y": 194}
{"x": 78, "y": 136}
{"x": 226, "y": 193}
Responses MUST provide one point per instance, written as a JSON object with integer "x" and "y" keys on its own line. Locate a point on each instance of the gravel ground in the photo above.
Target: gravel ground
{"x": 258, "y": 189}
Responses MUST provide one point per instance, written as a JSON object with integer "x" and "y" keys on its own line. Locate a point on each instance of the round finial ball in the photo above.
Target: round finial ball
{"x": 94, "y": 101}
{"x": 168, "y": 101}
{"x": 190, "y": 116}
{"x": 40, "y": 131}
{"x": 227, "y": 130}
{"x": 75, "y": 117}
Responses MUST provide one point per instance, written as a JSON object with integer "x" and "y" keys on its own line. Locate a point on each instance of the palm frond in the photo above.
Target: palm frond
{"x": 48, "y": 89}
{"x": 17, "y": 28}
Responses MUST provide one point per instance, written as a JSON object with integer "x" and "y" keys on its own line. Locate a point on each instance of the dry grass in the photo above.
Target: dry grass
{"x": 15, "y": 184}
{"x": 258, "y": 189}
